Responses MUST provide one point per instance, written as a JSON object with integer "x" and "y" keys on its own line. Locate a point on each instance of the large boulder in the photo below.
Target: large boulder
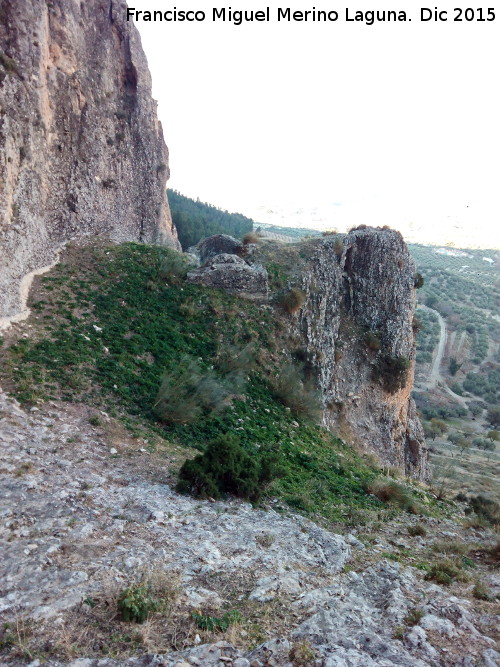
{"x": 231, "y": 273}
{"x": 217, "y": 245}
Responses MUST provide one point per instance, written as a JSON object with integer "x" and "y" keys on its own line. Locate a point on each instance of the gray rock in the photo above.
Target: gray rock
{"x": 217, "y": 245}
{"x": 231, "y": 273}
{"x": 352, "y": 288}
{"x": 82, "y": 151}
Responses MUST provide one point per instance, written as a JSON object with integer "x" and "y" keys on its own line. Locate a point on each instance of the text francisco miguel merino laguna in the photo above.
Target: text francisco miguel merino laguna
{"x": 282, "y": 14}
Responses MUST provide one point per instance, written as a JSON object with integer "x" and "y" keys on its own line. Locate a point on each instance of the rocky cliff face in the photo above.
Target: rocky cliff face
{"x": 357, "y": 324}
{"x": 81, "y": 148}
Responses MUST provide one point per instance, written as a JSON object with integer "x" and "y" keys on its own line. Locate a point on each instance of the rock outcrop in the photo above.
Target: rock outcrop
{"x": 224, "y": 266}
{"x": 357, "y": 324}
{"x": 217, "y": 245}
{"x": 231, "y": 273}
{"x": 81, "y": 147}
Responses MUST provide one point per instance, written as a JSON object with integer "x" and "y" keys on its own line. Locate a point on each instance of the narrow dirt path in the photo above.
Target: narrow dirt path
{"x": 435, "y": 377}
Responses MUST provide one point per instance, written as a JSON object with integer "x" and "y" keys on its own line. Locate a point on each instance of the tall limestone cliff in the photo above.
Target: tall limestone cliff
{"x": 81, "y": 147}
{"x": 357, "y": 325}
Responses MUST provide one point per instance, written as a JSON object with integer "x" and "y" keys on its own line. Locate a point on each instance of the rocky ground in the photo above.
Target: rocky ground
{"x": 87, "y": 510}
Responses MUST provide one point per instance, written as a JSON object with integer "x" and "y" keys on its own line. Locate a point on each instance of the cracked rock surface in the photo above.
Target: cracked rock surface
{"x": 77, "y": 513}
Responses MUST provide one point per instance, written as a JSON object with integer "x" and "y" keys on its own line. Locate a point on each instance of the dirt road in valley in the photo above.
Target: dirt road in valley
{"x": 435, "y": 378}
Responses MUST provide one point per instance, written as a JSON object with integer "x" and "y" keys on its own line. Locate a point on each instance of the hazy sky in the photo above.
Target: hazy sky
{"x": 385, "y": 124}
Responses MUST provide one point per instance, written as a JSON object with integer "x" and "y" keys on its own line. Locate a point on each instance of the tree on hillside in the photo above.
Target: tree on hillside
{"x": 493, "y": 415}
{"x": 437, "y": 427}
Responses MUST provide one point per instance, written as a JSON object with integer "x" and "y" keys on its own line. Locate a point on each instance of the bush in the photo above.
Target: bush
{"x": 188, "y": 391}
{"x": 445, "y": 572}
{"x": 298, "y": 394}
{"x": 414, "y": 617}
{"x": 293, "y": 300}
{"x": 486, "y": 509}
{"x": 417, "y": 531}
{"x": 393, "y": 493}
{"x": 392, "y": 372}
{"x": 225, "y": 467}
{"x": 8, "y": 63}
{"x": 302, "y": 654}
{"x": 214, "y": 623}
{"x": 173, "y": 266}
{"x": 480, "y": 592}
{"x": 493, "y": 416}
{"x": 136, "y": 603}
{"x": 418, "y": 281}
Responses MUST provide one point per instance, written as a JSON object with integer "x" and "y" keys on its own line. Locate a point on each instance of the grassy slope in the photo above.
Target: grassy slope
{"x": 106, "y": 327}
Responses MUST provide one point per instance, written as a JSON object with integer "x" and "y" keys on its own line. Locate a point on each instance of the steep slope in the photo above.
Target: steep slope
{"x": 81, "y": 148}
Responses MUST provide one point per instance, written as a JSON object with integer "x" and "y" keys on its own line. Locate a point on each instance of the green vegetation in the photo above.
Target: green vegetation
{"x": 225, "y": 467}
{"x": 486, "y": 509}
{"x": 427, "y": 335}
{"x": 293, "y": 300}
{"x": 446, "y": 571}
{"x": 293, "y": 390}
{"x": 463, "y": 286}
{"x": 213, "y": 623}
{"x": 195, "y": 220}
{"x": 392, "y": 372}
{"x": 394, "y": 494}
{"x": 136, "y": 603}
{"x": 8, "y": 64}
{"x": 372, "y": 341}
{"x": 111, "y": 331}
{"x": 302, "y": 654}
{"x": 189, "y": 392}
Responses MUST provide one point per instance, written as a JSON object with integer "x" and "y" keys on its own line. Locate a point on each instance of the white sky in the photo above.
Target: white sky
{"x": 333, "y": 124}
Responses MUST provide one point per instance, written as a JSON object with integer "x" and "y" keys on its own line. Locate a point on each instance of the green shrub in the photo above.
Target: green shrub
{"x": 225, "y": 467}
{"x": 414, "y": 617}
{"x": 297, "y": 393}
{"x": 417, "y": 530}
{"x": 302, "y": 654}
{"x": 188, "y": 391}
{"x": 293, "y": 300}
{"x": 418, "y": 281}
{"x": 392, "y": 372}
{"x": 213, "y": 623}
{"x": 8, "y": 63}
{"x": 173, "y": 266}
{"x": 486, "y": 509}
{"x": 445, "y": 572}
{"x": 136, "y": 603}
{"x": 480, "y": 592}
{"x": 395, "y": 494}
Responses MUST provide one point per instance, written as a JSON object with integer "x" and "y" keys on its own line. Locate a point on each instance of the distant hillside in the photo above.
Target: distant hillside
{"x": 464, "y": 287}
{"x": 196, "y": 220}
{"x": 293, "y": 232}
